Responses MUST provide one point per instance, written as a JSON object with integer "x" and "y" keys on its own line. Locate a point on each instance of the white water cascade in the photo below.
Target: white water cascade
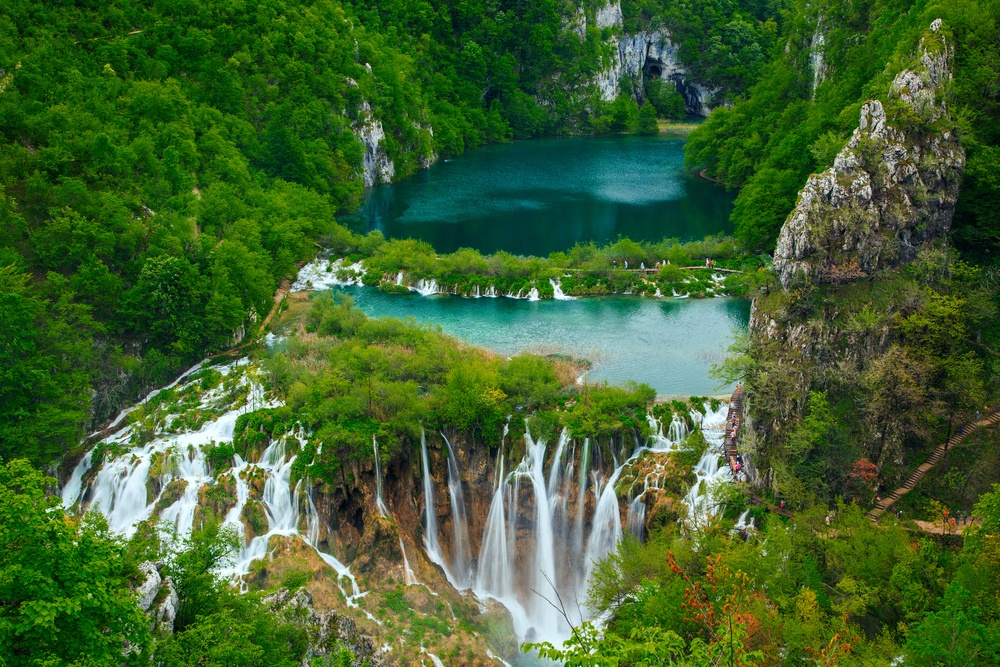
{"x": 699, "y": 498}
{"x": 461, "y": 558}
{"x": 383, "y": 511}
{"x": 557, "y": 292}
{"x": 409, "y": 576}
{"x": 120, "y": 488}
{"x": 541, "y": 537}
{"x": 431, "y": 543}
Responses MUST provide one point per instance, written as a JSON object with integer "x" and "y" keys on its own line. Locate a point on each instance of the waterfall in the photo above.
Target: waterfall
{"x": 430, "y": 524}
{"x": 533, "y": 294}
{"x": 383, "y": 511}
{"x": 581, "y": 496}
{"x": 635, "y": 523}
{"x": 399, "y": 279}
{"x": 322, "y": 274}
{"x": 408, "y": 574}
{"x": 742, "y": 525}
{"x": 494, "y": 577}
{"x": 708, "y": 472}
{"x": 461, "y": 560}
{"x": 490, "y": 292}
{"x": 606, "y": 528}
{"x": 557, "y": 292}
{"x": 426, "y": 287}
{"x": 72, "y": 492}
{"x": 545, "y": 561}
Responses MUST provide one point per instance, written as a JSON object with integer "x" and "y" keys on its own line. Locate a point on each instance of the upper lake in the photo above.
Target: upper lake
{"x": 537, "y": 197}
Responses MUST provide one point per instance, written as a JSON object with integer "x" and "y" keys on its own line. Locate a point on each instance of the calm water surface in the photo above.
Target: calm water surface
{"x": 667, "y": 343}
{"x": 536, "y": 197}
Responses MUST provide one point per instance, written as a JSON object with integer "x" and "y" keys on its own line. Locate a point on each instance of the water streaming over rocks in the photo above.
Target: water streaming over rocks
{"x": 549, "y": 520}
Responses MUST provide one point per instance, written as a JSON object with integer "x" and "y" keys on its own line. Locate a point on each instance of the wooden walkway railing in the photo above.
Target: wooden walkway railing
{"x": 918, "y": 474}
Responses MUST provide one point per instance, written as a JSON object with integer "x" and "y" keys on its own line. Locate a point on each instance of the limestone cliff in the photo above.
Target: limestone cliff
{"x": 862, "y": 251}
{"x": 890, "y": 190}
{"x": 642, "y": 56}
{"x": 377, "y": 166}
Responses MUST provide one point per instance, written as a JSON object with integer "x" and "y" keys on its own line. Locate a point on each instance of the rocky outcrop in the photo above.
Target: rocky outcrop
{"x": 328, "y": 631}
{"x": 377, "y": 166}
{"x": 157, "y": 597}
{"x": 643, "y": 56}
{"x": 891, "y": 189}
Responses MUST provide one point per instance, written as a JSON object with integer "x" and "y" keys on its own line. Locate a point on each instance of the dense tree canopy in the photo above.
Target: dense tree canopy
{"x": 164, "y": 165}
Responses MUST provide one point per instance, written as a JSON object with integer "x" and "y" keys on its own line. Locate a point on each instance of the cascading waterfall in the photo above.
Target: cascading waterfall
{"x": 119, "y": 488}
{"x": 426, "y": 287}
{"x": 383, "y": 511}
{"x": 557, "y": 292}
{"x": 581, "y": 495}
{"x": 495, "y": 575}
{"x": 699, "y": 500}
{"x": 542, "y": 516}
{"x": 410, "y": 578}
{"x": 606, "y": 528}
{"x": 431, "y": 543}
{"x": 461, "y": 561}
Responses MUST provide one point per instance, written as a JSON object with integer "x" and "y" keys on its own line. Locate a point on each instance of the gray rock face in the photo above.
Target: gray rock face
{"x": 152, "y": 588}
{"x": 377, "y": 166}
{"x": 646, "y": 55}
{"x": 890, "y": 190}
{"x": 327, "y": 630}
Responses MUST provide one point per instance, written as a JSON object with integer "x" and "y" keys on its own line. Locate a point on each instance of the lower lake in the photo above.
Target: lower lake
{"x": 669, "y": 344}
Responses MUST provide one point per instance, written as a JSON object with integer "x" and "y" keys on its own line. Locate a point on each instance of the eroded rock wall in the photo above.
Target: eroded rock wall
{"x": 890, "y": 190}
{"x": 642, "y": 56}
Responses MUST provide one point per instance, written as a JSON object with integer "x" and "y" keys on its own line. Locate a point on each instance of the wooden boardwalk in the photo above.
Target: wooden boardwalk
{"x": 918, "y": 474}
{"x": 734, "y": 419}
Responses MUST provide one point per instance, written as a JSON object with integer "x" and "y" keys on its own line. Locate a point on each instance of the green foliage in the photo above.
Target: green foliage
{"x": 45, "y": 363}
{"x": 769, "y": 142}
{"x": 64, "y": 583}
{"x": 666, "y": 101}
{"x": 646, "y": 123}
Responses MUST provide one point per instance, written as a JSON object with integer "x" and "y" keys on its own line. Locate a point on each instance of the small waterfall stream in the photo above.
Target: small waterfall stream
{"x": 461, "y": 558}
{"x": 383, "y": 511}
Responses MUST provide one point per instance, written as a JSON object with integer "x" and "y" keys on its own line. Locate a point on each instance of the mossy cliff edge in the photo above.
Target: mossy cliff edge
{"x": 864, "y": 353}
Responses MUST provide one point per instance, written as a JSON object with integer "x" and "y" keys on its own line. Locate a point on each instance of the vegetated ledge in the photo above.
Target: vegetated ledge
{"x": 669, "y": 268}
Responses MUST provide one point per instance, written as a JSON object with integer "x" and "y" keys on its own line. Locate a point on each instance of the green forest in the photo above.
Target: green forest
{"x": 167, "y": 167}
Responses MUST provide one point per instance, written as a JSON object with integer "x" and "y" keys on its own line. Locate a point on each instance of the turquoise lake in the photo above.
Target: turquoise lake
{"x": 536, "y": 197}
{"x": 669, "y": 344}
{"x": 540, "y": 196}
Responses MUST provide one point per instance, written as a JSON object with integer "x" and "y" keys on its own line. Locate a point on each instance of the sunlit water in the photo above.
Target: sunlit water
{"x": 669, "y": 344}
{"x": 540, "y": 196}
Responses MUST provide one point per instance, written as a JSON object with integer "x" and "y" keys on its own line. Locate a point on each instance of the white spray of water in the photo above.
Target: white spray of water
{"x": 383, "y": 511}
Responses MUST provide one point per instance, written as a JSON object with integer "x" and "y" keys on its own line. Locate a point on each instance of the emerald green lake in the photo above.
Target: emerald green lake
{"x": 536, "y": 197}
{"x": 540, "y": 196}
{"x": 669, "y": 344}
